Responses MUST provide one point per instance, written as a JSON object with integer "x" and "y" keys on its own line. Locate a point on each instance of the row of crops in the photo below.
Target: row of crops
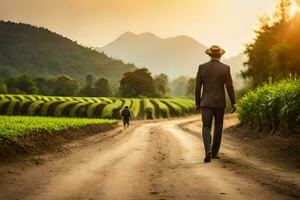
{"x": 272, "y": 106}
{"x": 93, "y": 107}
{"x": 16, "y": 126}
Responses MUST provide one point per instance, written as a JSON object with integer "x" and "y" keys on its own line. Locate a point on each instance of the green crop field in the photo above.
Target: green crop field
{"x": 15, "y": 126}
{"x": 93, "y": 107}
{"x": 272, "y": 106}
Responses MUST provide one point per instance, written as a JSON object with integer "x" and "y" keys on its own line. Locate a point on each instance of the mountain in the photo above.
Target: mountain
{"x": 176, "y": 56}
{"x": 39, "y": 52}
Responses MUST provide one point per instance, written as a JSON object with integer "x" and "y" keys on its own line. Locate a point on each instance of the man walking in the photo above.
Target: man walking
{"x": 126, "y": 114}
{"x": 212, "y": 76}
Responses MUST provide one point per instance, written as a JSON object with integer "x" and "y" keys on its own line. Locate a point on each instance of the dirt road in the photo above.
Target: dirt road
{"x": 156, "y": 160}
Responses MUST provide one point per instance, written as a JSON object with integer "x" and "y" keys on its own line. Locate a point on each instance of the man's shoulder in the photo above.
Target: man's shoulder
{"x": 224, "y": 65}
{"x": 204, "y": 65}
{"x": 209, "y": 63}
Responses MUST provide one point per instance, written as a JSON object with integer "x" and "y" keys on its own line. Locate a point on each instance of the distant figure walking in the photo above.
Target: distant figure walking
{"x": 211, "y": 77}
{"x": 126, "y": 114}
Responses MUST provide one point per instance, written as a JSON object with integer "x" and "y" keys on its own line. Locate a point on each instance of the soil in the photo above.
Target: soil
{"x": 156, "y": 160}
{"x": 280, "y": 147}
{"x": 22, "y": 148}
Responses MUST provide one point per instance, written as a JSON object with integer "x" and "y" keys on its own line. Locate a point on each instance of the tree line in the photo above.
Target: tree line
{"x": 139, "y": 83}
{"x": 62, "y": 85}
{"x": 274, "y": 53}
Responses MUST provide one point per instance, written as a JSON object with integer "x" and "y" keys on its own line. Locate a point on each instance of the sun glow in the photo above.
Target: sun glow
{"x": 294, "y": 9}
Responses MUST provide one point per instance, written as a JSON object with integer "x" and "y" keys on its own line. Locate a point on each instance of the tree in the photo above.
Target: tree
{"x": 11, "y": 85}
{"x": 26, "y": 84}
{"x": 65, "y": 86}
{"x": 89, "y": 80}
{"x": 161, "y": 84}
{"x": 45, "y": 86}
{"x": 102, "y": 88}
{"x": 190, "y": 89}
{"x": 2, "y": 87}
{"x": 282, "y": 12}
{"x": 21, "y": 84}
{"x": 8, "y": 71}
{"x": 87, "y": 91}
{"x": 179, "y": 86}
{"x": 137, "y": 83}
{"x": 274, "y": 51}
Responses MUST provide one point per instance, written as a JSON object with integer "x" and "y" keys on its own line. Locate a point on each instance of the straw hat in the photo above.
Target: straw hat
{"x": 215, "y": 51}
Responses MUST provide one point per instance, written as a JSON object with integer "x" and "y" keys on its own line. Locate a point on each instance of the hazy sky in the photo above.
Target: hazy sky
{"x": 228, "y": 23}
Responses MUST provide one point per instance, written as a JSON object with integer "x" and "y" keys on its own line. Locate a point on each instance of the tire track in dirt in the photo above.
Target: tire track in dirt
{"x": 155, "y": 161}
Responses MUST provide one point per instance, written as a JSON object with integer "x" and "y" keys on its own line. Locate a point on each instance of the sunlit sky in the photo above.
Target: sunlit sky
{"x": 229, "y": 23}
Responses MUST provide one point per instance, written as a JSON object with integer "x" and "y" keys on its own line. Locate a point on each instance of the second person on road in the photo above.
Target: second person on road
{"x": 126, "y": 114}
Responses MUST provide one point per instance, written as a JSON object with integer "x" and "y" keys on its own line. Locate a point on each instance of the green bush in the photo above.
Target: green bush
{"x": 3, "y": 104}
{"x": 45, "y": 107}
{"x": 187, "y": 105}
{"x": 92, "y": 107}
{"x": 109, "y": 110}
{"x": 175, "y": 110}
{"x": 149, "y": 110}
{"x": 163, "y": 110}
{"x": 135, "y": 107}
{"x": 59, "y": 111}
{"x": 31, "y": 111}
{"x": 75, "y": 110}
{"x": 126, "y": 102}
{"x": 106, "y": 99}
{"x": 11, "y": 107}
{"x": 272, "y": 106}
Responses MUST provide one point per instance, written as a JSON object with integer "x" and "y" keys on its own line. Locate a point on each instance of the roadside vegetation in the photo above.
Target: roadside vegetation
{"x": 273, "y": 71}
{"x": 272, "y": 106}
{"x": 274, "y": 51}
{"x": 16, "y": 126}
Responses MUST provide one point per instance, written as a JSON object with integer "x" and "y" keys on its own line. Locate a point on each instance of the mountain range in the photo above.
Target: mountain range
{"x": 175, "y": 56}
{"x": 38, "y": 52}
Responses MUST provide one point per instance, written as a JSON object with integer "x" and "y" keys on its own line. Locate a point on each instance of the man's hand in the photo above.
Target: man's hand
{"x": 232, "y": 109}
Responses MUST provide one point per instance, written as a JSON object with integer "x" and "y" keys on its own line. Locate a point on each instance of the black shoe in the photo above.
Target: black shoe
{"x": 207, "y": 157}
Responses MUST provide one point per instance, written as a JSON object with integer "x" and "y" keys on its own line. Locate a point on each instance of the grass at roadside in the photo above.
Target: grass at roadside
{"x": 15, "y": 126}
{"x": 272, "y": 106}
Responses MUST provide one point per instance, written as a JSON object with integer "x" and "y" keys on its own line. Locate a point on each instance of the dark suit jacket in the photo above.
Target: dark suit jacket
{"x": 212, "y": 76}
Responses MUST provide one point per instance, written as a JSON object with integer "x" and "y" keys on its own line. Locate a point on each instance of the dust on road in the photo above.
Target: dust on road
{"x": 156, "y": 160}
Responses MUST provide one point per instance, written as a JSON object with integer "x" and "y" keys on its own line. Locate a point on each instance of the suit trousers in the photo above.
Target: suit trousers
{"x": 208, "y": 114}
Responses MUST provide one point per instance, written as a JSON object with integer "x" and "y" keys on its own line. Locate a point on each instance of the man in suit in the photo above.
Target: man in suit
{"x": 211, "y": 78}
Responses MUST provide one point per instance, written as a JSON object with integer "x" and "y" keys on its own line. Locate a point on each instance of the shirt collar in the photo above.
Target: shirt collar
{"x": 217, "y": 59}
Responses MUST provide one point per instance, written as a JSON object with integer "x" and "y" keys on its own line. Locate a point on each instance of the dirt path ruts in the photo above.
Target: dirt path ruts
{"x": 156, "y": 160}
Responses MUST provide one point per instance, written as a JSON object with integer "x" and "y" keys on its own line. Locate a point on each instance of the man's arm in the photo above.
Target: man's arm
{"x": 130, "y": 115}
{"x": 229, "y": 86}
{"x": 198, "y": 87}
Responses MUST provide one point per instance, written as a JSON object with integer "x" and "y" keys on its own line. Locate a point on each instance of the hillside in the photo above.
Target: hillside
{"x": 177, "y": 56}
{"x": 173, "y": 56}
{"x": 40, "y": 52}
